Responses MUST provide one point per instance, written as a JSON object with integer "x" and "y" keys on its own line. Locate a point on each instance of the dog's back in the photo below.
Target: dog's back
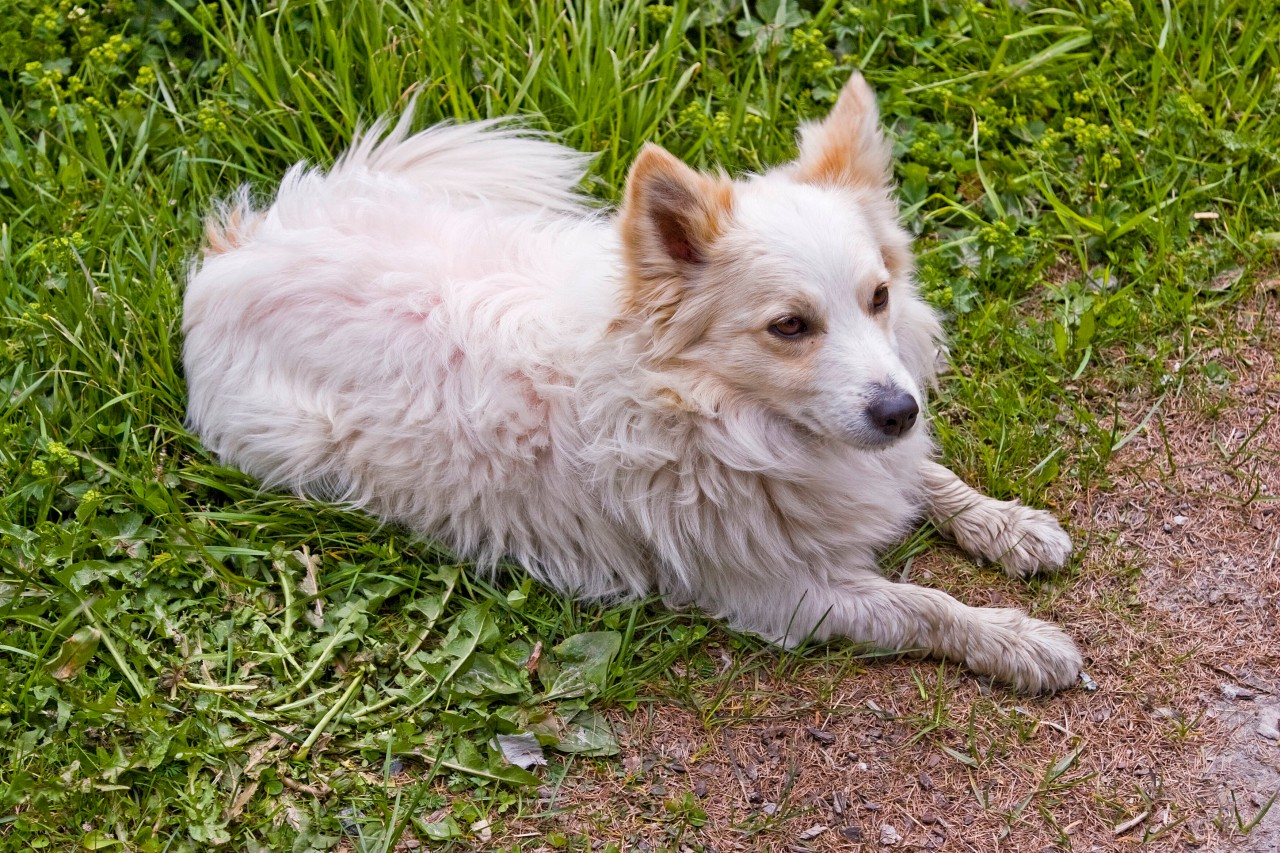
{"x": 400, "y": 333}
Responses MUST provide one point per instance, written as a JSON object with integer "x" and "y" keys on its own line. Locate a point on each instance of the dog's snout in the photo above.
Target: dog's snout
{"x": 893, "y": 411}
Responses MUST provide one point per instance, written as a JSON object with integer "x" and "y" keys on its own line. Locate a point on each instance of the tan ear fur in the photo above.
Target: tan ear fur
{"x": 846, "y": 148}
{"x": 671, "y": 215}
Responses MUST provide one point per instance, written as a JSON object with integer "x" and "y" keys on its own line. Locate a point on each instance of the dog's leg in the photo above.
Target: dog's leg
{"x": 1021, "y": 539}
{"x": 1031, "y": 655}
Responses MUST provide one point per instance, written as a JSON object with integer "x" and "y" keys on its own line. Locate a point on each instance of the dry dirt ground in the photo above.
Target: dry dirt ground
{"x": 1176, "y": 602}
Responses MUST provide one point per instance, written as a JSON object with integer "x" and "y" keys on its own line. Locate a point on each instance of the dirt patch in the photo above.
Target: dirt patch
{"x": 1197, "y": 494}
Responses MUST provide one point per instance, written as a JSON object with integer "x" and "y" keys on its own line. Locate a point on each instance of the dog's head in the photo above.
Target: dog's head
{"x": 790, "y": 289}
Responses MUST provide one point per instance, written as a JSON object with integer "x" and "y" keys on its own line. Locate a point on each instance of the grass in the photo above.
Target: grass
{"x": 189, "y": 662}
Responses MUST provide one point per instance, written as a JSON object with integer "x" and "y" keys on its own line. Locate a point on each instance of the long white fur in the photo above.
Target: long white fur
{"x": 440, "y": 331}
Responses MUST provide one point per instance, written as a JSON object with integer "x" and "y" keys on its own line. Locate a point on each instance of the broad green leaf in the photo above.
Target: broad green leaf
{"x": 588, "y": 733}
{"x": 580, "y": 665}
{"x": 77, "y": 650}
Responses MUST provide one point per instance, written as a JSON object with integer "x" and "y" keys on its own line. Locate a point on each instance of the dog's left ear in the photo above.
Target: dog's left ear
{"x": 671, "y": 218}
{"x": 671, "y": 214}
{"x": 846, "y": 148}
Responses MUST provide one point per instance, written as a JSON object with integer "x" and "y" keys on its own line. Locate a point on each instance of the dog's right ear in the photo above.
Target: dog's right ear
{"x": 671, "y": 216}
{"x": 846, "y": 148}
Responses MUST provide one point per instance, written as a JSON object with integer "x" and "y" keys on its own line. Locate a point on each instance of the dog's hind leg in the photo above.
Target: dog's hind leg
{"x": 1021, "y": 539}
{"x": 1031, "y": 655}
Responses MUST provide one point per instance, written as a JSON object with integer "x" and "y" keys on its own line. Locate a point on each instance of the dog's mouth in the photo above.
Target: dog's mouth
{"x": 866, "y": 437}
{"x": 888, "y": 415}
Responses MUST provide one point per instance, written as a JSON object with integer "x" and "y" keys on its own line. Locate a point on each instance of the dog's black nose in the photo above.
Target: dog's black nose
{"x": 893, "y": 411}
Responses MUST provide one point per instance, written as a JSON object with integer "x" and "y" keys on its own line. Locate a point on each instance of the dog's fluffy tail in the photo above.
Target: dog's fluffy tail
{"x": 494, "y": 162}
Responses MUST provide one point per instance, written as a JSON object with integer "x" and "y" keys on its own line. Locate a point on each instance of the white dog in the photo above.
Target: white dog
{"x": 714, "y": 395}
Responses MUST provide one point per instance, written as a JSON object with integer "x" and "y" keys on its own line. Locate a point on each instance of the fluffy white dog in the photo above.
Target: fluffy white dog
{"x": 714, "y": 394}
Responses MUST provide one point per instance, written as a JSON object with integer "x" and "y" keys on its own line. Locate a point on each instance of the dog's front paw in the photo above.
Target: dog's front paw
{"x": 1031, "y": 541}
{"x": 1031, "y": 655}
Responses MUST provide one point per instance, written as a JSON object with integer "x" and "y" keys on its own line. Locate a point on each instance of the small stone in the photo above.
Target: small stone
{"x": 1180, "y": 520}
{"x": 1269, "y": 728}
{"x": 482, "y": 830}
{"x": 852, "y": 833}
{"x": 925, "y": 781}
{"x": 889, "y": 835}
{"x": 700, "y": 788}
{"x": 824, "y": 738}
{"x": 769, "y": 808}
{"x": 1231, "y": 691}
{"x": 812, "y": 832}
{"x": 871, "y": 806}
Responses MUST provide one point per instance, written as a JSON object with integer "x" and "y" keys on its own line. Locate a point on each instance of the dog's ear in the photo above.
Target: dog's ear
{"x": 846, "y": 148}
{"x": 671, "y": 216}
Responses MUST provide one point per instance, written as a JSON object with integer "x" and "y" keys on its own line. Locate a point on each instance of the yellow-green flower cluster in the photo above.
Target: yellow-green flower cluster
{"x": 993, "y": 120}
{"x": 39, "y": 76}
{"x": 142, "y": 83}
{"x": 50, "y": 20}
{"x": 90, "y": 501}
{"x": 660, "y": 13}
{"x": 170, "y": 32}
{"x": 210, "y": 120}
{"x": 33, "y": 312}
{"x": 1116, "y": 13}
{"x": 57, "y": 248}
{"x": 809, "y": 47}
{"x": 111, "y": 51}
{"x": 1188, "y": 107}
{"x": 1087, "y": 135}
{"x": 59, "y": 453}
{"x": 1003, "y": 242}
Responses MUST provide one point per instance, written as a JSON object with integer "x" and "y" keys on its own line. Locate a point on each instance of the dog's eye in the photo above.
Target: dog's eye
{"x": 789, "y": 327}
{"x": 880, "y": 299}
